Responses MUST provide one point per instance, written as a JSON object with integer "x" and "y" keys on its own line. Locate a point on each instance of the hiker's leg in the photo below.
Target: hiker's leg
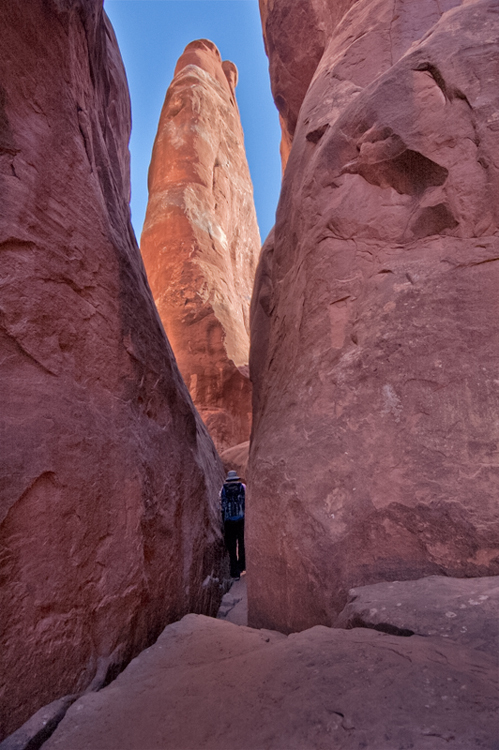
{"x": 230, "y": 536}
{"x": 240, "y": 542}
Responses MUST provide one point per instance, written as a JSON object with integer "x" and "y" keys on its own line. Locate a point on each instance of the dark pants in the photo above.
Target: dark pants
{"x": 234, "y": 541}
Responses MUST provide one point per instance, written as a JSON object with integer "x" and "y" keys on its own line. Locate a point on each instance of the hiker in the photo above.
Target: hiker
{"x": 232, "y": 496}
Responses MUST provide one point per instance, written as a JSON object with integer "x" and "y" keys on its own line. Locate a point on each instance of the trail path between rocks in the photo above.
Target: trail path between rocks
{"x": 207, "y": 684}
{"x": 234, "y": 606}
{"x": 211, "y": 685}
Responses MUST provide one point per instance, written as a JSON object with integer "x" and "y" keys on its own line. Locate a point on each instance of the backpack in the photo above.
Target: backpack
{"x": 232, "y": 496}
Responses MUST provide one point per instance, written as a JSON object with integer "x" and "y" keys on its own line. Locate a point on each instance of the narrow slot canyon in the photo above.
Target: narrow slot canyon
{"x": 331, "y": 388}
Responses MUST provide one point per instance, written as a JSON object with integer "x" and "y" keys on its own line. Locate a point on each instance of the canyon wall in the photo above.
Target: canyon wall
{"x": 295, "y": 35}
{"x": 109, "y": 525}
{"x": 200, "y": 240}
{"x": 375, "y": 447}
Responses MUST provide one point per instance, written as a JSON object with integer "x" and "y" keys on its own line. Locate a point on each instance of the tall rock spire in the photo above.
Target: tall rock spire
{"x": 200, "y": 241}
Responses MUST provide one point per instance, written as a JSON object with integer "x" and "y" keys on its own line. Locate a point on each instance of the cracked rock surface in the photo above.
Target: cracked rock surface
{"x": 463, "y": 610}
{"x": 211, "y": 685}
{"x": 234, "y": 605}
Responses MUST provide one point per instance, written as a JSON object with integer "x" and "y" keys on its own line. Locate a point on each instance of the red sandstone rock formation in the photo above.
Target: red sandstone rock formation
{"x": 460, "y": 610}
{"x": 236, "y": 458}
{"x": 295, "y": 35}
{"x": 375, "y": 344}
{"x": 324, "y": 688}
{"x": 109, "y": 518}
{"x": 297, "y": 32}
{"x": 200, "y": 241}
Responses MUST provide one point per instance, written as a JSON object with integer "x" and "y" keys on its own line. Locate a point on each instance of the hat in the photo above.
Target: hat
{"x": 232, "y": 477}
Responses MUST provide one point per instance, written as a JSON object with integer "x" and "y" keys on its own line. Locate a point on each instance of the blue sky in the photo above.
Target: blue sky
{"x": 152, "y": 35}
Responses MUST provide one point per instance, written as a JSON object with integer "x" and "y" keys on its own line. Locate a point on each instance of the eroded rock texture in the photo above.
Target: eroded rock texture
{"x": 323, "y": 688}
{"x": 375, "y": 347}
{"x": 200, "y": 241}
{"x": 295, "y": 34}
{"x": 462, "y": 610}
{"x": 109, "y": 521}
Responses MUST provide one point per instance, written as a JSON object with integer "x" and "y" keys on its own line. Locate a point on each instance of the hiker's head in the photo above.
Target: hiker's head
{"x": 232, "y": 477}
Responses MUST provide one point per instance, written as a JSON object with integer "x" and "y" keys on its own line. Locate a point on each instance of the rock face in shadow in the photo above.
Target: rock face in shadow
{"x": 234, "y": 605}
{"x": 462, "y": 610}
{"x": 374, "y": 342}
{"x": 109, "y": 523}
{"x": 200, "y": 240}
{"x": 295, "y": 34}
{"x": 323, "y": 688}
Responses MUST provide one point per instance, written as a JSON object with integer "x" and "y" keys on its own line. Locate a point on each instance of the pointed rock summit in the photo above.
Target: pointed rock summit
{"x": 200, "y": 241}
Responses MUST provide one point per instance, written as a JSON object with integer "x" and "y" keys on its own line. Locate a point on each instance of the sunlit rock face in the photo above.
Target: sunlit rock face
{"x": 236, "y": 458}
{"x": 200, "y": 241}
{"x": 374, "y": 335}
{"x": 109, "y": 519}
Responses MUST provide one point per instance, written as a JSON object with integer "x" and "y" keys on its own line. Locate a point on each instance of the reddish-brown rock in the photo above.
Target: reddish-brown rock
{"x": 236, "y": 458}
{"x": 374, "y": 342}
{"x": 200, "y": 240}
{"x": 208, "y": 684}
{"x": 109, "y": 523}
{"x": 295, "y": 33}
{"x": 463, "y": 610}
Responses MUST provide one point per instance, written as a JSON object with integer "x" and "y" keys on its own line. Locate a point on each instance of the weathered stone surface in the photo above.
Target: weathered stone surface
{"x": 33, "y": 733}
{"x": 295, "y": 33}
{"x": 109, "y": 519}
{"x": 465, "y": 610}
{"x": 209, "y": 684}
{"x": 234, "y": 606}
{"x": 236, "y": 458}
{"x": 374, "y": 343}
{"x": 200, "y": 240}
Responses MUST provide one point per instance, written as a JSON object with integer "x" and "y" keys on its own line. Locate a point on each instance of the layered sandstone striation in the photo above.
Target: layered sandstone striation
{"x": 109, "y": 481}
{"x": 374, "y": 343}
{"x": 200, "y": 240}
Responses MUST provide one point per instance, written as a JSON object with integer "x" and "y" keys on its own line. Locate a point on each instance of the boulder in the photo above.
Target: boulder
{"x": 234, "y": 606}
{"x": 464, "y": 610}
{"x": 374, "y": 343}
{"x": 109, "y": 520}
{"x": 208, "y": 684}
{"x": 236, "y": 459}
{"x": 39, "y": 727}
{"x": 200, "y": 240}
